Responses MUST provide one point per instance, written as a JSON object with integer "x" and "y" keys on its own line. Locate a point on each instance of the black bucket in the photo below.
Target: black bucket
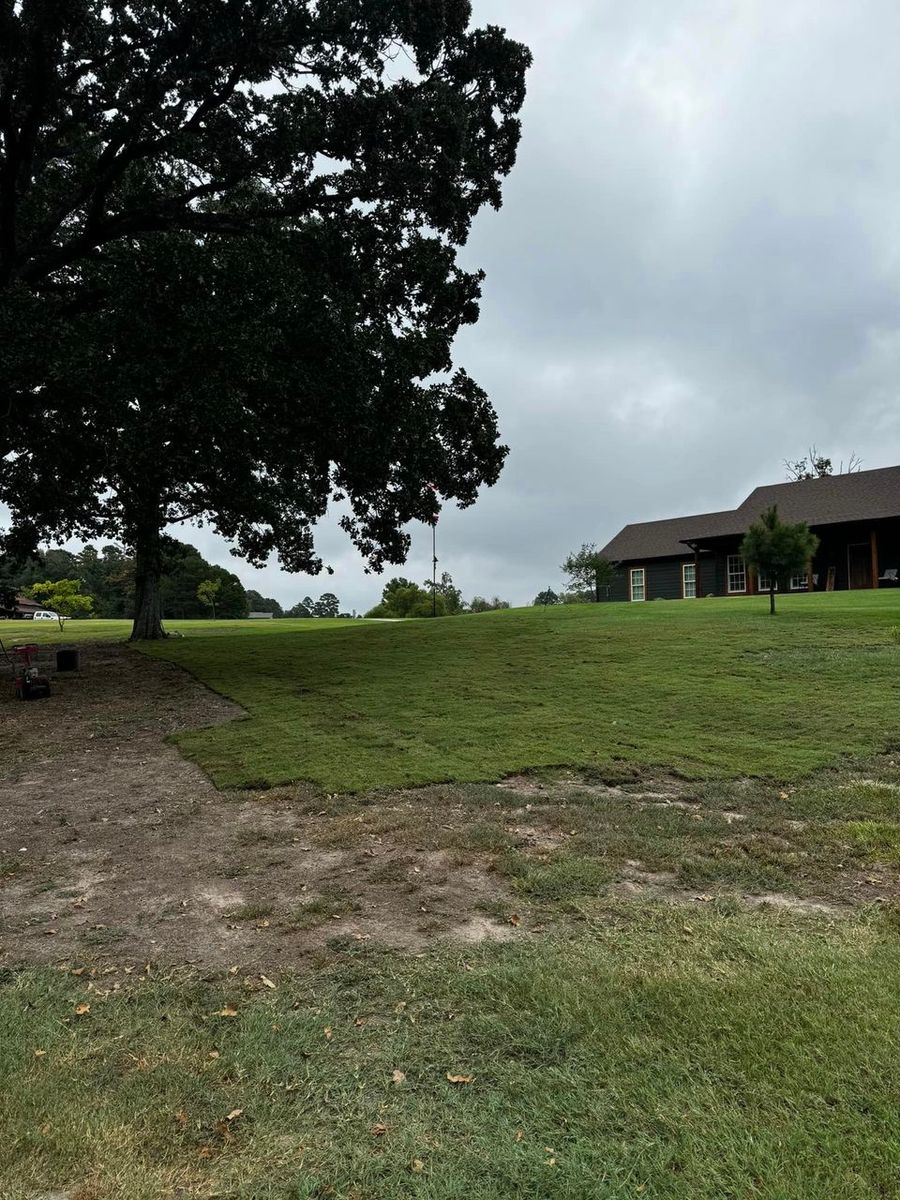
{"x": 67, "y": 659}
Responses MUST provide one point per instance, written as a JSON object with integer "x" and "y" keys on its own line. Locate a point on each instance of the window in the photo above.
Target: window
{"x": 689, "y": 581}
{"x": 798, "y": 582}
{"x": 638, "y": 584}
{"x": 737, "y": 574}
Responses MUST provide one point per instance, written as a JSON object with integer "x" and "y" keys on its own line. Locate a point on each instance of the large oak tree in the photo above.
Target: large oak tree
{"x": 228, "y": 278}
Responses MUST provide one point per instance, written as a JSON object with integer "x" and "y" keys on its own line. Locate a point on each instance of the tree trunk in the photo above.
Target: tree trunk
{"x": 147, "y": 567}
{"x": 772, "y": 599}
{"x": 596, "y": 589}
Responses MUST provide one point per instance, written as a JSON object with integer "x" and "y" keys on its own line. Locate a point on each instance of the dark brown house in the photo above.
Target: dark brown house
{"x": 23, "y": 607}
{"x": 856, "y": 518}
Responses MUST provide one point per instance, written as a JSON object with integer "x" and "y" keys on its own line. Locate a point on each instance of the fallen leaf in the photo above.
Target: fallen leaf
{"x": 360, "y": 1021}
{"x": 520, "y": 1133}
{"x": 329, "y": 1033}
{"x": 515, "y": 919}
{"x": 78, "y": 971}
{"x": 268, "y": 982}
{"x": 82, "y": 1009}
{"x": 378, "y": 1130}
{"x": 227, "y": 1011}
{"x": 234, "y": 1114}
{"x": 39, "y": 1053}
{"x": 460, "y": 1078}
{"x": 418, "y": 1165}
{"x": 213, "y": 1054}
{"x": 262, "y": 924}
{"x": 233, "y": 970}
{"x": 204, "y": 1152}
{"x": 45, "y": 1129}
{"x": 182, "y": 1118}
{"x": 398, "y": 1076}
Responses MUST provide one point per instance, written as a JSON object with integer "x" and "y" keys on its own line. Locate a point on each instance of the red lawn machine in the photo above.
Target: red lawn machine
{"x": 30, "y": 683}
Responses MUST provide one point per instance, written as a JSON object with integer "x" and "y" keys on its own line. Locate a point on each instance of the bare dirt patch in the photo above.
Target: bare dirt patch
{"x": 113, "y": 846}
{"x": 115, "y": 849}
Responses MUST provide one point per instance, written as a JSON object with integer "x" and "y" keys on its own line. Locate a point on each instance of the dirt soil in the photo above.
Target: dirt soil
{"x": 113, "y": 846}
{"x": 116, "y": 850}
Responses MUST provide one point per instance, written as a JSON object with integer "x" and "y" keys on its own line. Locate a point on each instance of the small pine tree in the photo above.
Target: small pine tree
{"x": 778, "y": 550}
{"x": 546, "y": 597}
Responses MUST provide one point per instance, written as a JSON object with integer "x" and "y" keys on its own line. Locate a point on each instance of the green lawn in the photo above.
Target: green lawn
{"x": 715, "y": 687}
{"x": 657, "y": 1054}
{"x": 621, "y": 1048}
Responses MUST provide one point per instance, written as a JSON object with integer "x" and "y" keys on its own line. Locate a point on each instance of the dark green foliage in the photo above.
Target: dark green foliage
{"x": 480, "y": 604}
{"x": 125, "y": 119}
{"x": 251, "y": 338}
{"x": 452, "y": 596}
{"x": 107, "y": 577}
{"x": 589, "y": 571}
{"x": 327, "y": 605}
{"x": 183, "y": 570}
{"x": 260, "y": 603}
{"x": 548, "y": 596}
{"x": 402, "y": 598}
{"x": 778, "y": 550}
{"x": 300, "y": 610}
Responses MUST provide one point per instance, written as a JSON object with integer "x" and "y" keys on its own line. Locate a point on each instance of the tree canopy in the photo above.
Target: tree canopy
{"x": 778, "y": 550}
{"x": 589, "y": 571}
{"x": 106, "y": 575}
{"x": 219, "y": 300}
{"x": 815, "y": 465}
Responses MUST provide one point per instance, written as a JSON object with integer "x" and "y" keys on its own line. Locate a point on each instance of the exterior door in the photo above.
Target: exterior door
{"x": 859, "y": 565}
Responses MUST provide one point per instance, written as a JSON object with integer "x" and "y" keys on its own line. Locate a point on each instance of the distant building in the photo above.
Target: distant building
{"x": 260, "y": 616}
{"x": 856, "y": 518}
{"x": 23, "y": 608}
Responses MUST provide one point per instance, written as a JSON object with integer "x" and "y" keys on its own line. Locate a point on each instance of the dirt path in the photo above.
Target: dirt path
{"x": 112, "y": 845}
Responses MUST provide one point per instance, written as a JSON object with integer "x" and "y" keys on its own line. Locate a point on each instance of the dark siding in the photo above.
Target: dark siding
{"x": 664, "y": 574}
{"x": 618, "y": 589}
{"x": 664, "y": 578}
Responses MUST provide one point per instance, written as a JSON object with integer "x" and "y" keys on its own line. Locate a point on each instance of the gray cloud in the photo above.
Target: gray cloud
{"x": 695, "y": 274}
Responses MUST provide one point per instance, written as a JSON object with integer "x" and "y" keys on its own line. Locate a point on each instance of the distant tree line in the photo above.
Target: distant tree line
{"x": 404, "y": 598}
{"x": 101, "y": 583}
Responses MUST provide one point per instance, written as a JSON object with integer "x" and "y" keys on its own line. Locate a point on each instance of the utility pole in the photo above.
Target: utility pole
{"x": 434, "y": 563}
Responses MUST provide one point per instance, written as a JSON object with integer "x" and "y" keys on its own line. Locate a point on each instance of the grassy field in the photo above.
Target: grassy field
{"x": 699, "y": 997}
{"x": 653, "y": 1055}
{"x": 711, "y": 688}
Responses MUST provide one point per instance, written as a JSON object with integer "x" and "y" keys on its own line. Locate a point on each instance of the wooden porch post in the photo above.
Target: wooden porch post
{"x": 697, "y": 592}
{"x": 809, "y": 576}
{"x": 873, "y": 543}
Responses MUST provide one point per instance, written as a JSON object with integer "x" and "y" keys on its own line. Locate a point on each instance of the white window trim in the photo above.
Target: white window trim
{"x": 685, "y": 567}
{"x": 742, "y": 591}
{"x": 803, "y": 585}
{"x": 631, "y": 595}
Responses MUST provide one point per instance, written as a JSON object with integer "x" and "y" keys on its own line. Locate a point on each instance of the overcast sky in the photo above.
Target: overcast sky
{"x": 694, "y": 275}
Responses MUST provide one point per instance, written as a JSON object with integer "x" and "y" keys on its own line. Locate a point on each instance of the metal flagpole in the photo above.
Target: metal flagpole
{"x": 434, "y": 567}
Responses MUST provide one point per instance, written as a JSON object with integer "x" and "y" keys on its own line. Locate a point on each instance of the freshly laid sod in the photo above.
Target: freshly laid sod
{"x": 655, "y": 1053}
{"x": 707, "y": 688}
